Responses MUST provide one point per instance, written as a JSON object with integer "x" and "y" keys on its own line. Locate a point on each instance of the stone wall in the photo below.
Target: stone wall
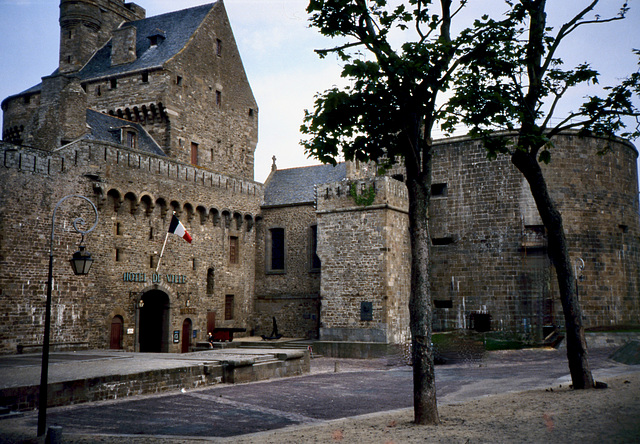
{"x": 135, "y": 194}
{"x": 215, "y": 104}
{"x": 290, "y": 295}
{"x": 201, "y": 96}
{"x": 283, "y": 363}
{"x": 489, "y": 245}
{"x": 365, "y": 262}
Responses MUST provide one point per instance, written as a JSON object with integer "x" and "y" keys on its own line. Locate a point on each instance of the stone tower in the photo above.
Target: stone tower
{"x": 363, "y": 242}
{"x": 86, "y": 25}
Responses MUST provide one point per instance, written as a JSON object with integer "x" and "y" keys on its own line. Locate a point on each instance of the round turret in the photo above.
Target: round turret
{"x": 80, "y": 25}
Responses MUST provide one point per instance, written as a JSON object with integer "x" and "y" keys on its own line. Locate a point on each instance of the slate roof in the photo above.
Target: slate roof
{"x": 296, "y": 185}
{"x": 108, "y": 128}
{"x": 177, "y": 28}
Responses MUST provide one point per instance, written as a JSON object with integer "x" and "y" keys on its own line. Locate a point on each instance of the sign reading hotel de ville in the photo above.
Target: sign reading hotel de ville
{"x": 155, "y": 278}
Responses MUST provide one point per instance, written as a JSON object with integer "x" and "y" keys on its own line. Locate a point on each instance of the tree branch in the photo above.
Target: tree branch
{"x": 573, "y": 24}
{"x": 324, "y": 52}
{"x": 563, "y": 126}
{"x": 556, "y": 99}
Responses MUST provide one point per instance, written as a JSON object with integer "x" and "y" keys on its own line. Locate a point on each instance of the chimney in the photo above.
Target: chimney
{"x": 123, "y": 45}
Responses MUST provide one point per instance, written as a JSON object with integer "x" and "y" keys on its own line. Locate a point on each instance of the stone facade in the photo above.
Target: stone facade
{"x": 193, "y": 279}
{"x": 150, "y": 123}
{"x": 291, "y": 294}
{"x": 171, "y": 145}
{"x": 489, "y": 246}
{"x": 365, "y": 256}
{"x": 196, "y": 102}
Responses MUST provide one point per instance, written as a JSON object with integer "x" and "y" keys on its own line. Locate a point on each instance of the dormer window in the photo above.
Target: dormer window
{"x": 156, "y": 39}
{"x": 130, "y": 137}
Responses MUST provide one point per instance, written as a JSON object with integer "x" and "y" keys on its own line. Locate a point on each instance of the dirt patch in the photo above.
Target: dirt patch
{"x": 538, "y": 416}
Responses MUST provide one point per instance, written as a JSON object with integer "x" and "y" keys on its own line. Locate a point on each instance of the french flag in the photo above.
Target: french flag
{"x": 177, "y": 228}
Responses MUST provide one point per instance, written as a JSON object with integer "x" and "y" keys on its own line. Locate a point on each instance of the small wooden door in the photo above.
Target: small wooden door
{"x": 211, "y": 321}
{"x": 116, "y": 333}
{"x": 186, "y": 335}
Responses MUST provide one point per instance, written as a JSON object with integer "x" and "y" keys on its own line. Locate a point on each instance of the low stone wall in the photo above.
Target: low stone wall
{"x": 283, "y": 364}
{"x": 358, "y": 350}
{"x": 606, "y": 339}
{"x": 288, "y": 363}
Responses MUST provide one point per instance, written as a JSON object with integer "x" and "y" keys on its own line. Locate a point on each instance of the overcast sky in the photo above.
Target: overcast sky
{"x": 277, "y": 46}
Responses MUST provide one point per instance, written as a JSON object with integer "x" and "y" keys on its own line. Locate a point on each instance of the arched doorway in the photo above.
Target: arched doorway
{"x": 115, "y": 343}
{"x": 153, "y": 326}
{"x": 186, "y": 335}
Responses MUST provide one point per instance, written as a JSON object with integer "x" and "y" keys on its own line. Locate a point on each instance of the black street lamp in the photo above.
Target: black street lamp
{"x": 80, "y": 262}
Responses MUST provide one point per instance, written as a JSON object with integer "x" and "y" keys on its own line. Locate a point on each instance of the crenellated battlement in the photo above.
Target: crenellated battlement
{"x": 362, "y": 194}
{"x": 101, "y": 154}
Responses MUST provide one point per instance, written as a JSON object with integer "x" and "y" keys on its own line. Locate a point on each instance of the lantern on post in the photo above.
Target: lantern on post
{"x": 81, "y": 263}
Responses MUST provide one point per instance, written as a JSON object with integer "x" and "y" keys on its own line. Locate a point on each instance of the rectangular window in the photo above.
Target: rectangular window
{"x": 118, "y": 255}
{"x": 441, "y": 241}
{"x": 218, "y": 98}
{"x": 313, "y": 241}
{"x": 228, "y": 307}
{"x": 276, "y": 249}
{"x": 145, "y": 77}
{"x": 219, "y": 47}
{"x": 118, "y": 229}
{"x": 439, "y": 190}
{"x": 210, "y": 280}
{"x": 179, "y": 80}
{"x": 130, "y": 139}
{"x": 113, "y": 83}
{"x": 233, "y": 250}
{"x": 443, "y": 303}
{"x": 194, "y": 153}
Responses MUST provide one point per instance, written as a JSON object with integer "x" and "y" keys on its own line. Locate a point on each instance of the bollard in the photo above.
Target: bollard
{"x": 54, "y": 435}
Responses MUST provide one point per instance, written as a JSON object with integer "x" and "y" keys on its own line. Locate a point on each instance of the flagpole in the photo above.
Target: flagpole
{"x": 166, "y": 236}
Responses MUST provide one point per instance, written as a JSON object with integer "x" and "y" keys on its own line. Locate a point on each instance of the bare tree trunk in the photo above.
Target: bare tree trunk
{"x": 558, "y": 251}
{"x": 424, "y": 383}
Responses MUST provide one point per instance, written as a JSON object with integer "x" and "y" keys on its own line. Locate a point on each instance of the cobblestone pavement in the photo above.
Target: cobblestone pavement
{"x": 336, "y": 388}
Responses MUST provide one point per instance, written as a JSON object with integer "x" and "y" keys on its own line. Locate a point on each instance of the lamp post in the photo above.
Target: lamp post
{"x": 80, "y": 262}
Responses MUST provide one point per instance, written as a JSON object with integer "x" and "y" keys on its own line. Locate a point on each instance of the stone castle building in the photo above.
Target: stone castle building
{"x": 153, "y": 116}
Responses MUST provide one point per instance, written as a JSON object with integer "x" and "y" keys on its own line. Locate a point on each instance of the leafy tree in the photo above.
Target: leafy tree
{"x": 515, "y": 84}
{"x": 386, "y": 115}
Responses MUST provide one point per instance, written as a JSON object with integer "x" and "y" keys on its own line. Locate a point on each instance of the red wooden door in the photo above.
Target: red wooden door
{"x": 186, "y": 335}
{"x": 211, "y": 321}
{"x": 116, "y": 333}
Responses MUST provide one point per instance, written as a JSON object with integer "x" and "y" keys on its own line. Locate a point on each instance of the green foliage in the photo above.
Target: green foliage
{"x": 518, "y": 81}
{"x": 387, "y": 112}
{"x": 366, "y": 198}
